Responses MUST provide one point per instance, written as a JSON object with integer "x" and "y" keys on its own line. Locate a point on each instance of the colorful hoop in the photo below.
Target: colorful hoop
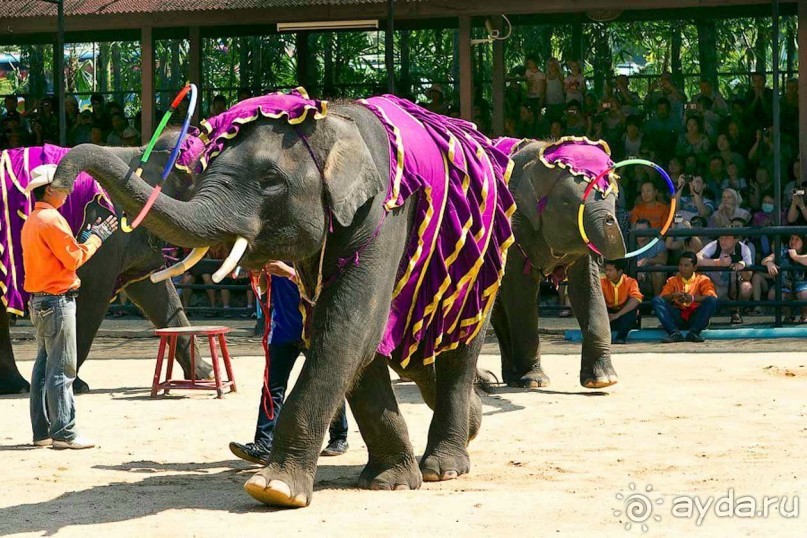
{"x": 612, "y": 185}
{"x": 124, "y": 225}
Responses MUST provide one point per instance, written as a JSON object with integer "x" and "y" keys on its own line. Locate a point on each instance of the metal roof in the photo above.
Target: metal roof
{"x": 38, "y": 8}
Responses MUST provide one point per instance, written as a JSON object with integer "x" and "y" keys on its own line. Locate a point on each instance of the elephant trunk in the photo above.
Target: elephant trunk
{"x": 200, "y": 222}
{"x": 603, "y": 231}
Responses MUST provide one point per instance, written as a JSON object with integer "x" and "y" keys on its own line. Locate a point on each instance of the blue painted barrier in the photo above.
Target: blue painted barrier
{"x": 654, "y": 335}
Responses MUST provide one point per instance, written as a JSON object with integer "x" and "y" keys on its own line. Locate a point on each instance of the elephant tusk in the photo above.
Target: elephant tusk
{"x": 179, "y": 268}
{"x": 232, "y": 260}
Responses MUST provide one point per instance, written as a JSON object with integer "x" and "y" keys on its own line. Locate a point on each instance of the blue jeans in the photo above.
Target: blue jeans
{"x": 53, "y": 411}
{"x": 671, "y": 320}
{"x": 623, "y": 324}
{"x": 283, "y": 358}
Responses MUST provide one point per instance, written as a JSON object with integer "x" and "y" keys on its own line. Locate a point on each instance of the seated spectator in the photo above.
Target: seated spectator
{"x": 687, "y": 300}
{"x": 631, "y": 142}
{"x": 694, "y": 140}
{"x": 622, "y": 297}
{"x": 725, "y": 150}
{"x": 555, "y": 130}
{"x": 245, "y": 93}
{"x": 554, "y": 98}
{"x": 662, "y": 130}
{"x": 575, "y": 121}
{"x": 130, "y": 137}
{"x": 728, "y": 210}
{"x": 219, "y": 105}
{"x": 736, "y": 284}
{"x": 735, "y": 181}
{"x": 575, "y": 83}
{"x": 613, "y": 120}
{"x": 759, "y": 101}
{"x": 793, "y": 184}
{"x": 691, "y": 199}
{"x": 707, "y": 89}
{"x": 790, "y": 107}
{"x": 715, "y": 175}
{"x": 204, "y": 270}
{"x": 97, "y": 136}
{"x": 761, "y": 185}
{"x": 794, "y": 282}
{"x": 530, "y": 126}
{"x": 650, "y": 208}
{"x": 678, "y": 245}
{"x": 675, "y": 168}
{"x": 650, "y": 282}
{"x": 737, "y": 137}
{"x": 666, "y": 89}
{"x": 119, "y": 124}
{"x": 797, "y": 214}
{"x": 628, "y": 100}
{"x": 81, "y": 133}
{"x": 763, "y": 218}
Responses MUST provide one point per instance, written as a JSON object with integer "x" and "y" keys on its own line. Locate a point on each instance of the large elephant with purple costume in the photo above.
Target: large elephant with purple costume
{"x": 397, "y": 221}
{"x": 125, "y": 262}
{"x": 548, "y": 183}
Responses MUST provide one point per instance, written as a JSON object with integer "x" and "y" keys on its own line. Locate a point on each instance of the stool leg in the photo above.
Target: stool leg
{"x": 214, "y": 358}
{"x": 227, "y": 366}
{"x": 158, "y": 370}
{"x": 172, "y": 350}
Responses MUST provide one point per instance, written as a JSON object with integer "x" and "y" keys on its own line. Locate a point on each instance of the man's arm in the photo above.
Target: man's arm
{"x": 67, "y": 250}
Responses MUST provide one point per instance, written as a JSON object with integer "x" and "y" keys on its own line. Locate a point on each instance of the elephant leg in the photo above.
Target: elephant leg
{"x": 347, "y": 323}
{"x": 161, "y": 303}
{"x": 588, "y": 304}
{"x": 446, "y": 455}
{"x": 425, "y": 378}
{"x": 515, "y": 321}
{"x": 11, "y": 381}
{"x": 391, "y": 463}
{"x": 91, "y": 305}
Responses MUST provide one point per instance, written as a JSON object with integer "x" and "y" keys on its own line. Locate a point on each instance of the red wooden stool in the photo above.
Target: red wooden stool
{"x": 170, "y": 335}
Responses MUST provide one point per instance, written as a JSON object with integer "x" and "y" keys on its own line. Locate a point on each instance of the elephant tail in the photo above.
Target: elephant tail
{"x": 485, "y": 380}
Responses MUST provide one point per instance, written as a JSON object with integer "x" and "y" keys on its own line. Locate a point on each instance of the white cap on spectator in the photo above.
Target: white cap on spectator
{"x": 41, "y": 175}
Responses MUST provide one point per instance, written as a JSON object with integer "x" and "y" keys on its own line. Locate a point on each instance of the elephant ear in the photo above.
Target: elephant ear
{"x": 351, "y": 176}
{"x": 526, "y": 196}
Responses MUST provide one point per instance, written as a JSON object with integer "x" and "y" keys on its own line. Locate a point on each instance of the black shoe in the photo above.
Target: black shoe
{"x": 251, "y": 452}
{"x": 336, "y": 447}
{"x": 694, "y": 337}
{"x": 673, "y": 338}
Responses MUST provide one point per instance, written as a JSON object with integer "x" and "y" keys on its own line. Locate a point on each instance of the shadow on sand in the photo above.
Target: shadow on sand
{"x": 170, "y": 486}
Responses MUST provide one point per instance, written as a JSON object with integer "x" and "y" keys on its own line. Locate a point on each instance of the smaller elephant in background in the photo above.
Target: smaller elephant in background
{"x": 549, "y": 241}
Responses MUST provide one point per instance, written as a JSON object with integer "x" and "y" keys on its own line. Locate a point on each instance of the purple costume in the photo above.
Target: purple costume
{"x": 454, "y": 262}
{"x": 15, "y": 168}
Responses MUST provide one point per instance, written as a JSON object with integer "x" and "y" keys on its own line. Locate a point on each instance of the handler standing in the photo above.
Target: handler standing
{"x": 51, "y": 256}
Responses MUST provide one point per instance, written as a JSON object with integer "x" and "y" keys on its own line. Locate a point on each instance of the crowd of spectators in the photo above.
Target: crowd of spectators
{"x": 717, "y": 148}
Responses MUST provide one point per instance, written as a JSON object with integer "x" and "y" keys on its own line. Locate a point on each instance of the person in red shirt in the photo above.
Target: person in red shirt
{"x": 687, "y": 300}
{"x": 622, "y": 297}
{"x": 51, "y": 255}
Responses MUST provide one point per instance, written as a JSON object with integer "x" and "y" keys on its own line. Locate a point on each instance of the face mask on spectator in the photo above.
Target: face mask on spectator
{"x": 767, "y": 208}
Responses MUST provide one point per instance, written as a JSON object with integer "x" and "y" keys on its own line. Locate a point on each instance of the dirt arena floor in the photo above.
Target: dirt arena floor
{"x": 722, "y": 428}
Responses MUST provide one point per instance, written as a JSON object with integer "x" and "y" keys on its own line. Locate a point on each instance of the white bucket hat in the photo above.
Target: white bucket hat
{"x": 41, "y": 175}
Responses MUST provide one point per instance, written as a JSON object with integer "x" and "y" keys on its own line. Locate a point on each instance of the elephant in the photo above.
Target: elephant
{"x": 547, "y": 235}
{"x": 283, "y": 178}
{"x": 125, "y": 262}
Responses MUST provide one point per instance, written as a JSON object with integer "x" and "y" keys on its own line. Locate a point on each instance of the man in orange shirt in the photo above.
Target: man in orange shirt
{"x": 51, "y": 256}
{"x": 622, "y": 297}
{"x": 687, "y": 300}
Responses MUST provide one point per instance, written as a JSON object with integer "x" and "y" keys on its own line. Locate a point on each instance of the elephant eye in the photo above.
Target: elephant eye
{"x": 272, "y": 182}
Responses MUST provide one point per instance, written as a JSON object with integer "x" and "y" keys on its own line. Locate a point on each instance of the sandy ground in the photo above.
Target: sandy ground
{"x": 547, "y": 463}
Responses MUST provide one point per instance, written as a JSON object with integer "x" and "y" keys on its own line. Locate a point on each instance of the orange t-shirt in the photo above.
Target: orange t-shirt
{"x": 50, "y": 253}
{"x": 616, "y": 295}
{"x": 656, "y": 214}
{"x": 697, "y": 285}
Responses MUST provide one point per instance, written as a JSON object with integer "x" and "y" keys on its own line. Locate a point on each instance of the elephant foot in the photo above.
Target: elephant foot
{"x": 401, "y": 475}
{"x": 598, "y": 374}
{"x": 439, "y": 464}
{"x": 16, "y": 385}
{"x": 80, "y": 386}
{"x": 474, "y": 417}
{"x": 276, "y": 488}
{"x": 534, "y": 379}
{"x": 203, "y": 370}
